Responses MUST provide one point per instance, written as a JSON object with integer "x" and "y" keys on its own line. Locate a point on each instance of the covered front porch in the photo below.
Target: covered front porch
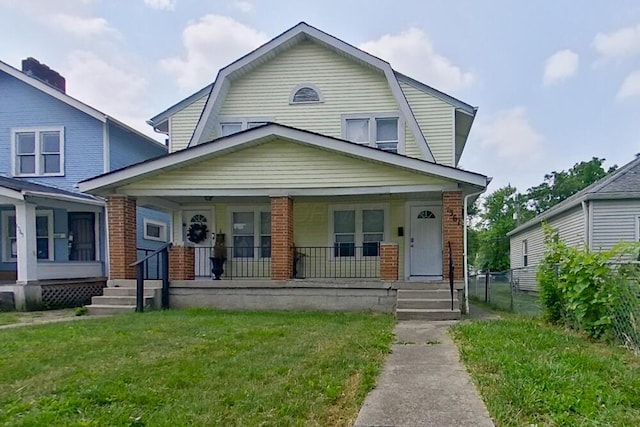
{"x": 412, "y": 236}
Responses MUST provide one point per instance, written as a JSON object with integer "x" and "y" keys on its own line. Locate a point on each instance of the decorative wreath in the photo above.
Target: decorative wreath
{"x": 197, "y": 232}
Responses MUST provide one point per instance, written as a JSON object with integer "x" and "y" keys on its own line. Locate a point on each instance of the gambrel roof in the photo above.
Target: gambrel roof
{"x": 289, "y": 38}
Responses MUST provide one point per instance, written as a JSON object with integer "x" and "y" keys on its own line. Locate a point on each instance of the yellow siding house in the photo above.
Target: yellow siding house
{"x": 317, "y": 164}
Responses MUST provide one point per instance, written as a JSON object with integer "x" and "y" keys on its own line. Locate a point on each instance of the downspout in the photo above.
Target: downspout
{"x": 465, "y": 257}
{"x": 585, "y": 211}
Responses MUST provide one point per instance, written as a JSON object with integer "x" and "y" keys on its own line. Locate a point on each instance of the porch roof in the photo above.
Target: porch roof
{"x": 109, "y": 182}
{"x": 16, "y": 190}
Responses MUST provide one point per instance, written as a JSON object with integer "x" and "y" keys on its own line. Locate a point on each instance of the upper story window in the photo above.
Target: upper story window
{"x": 305, "y": 94}
{"x": 38, "y": 151}
{"x": 229, "y": 126}
{"x": 379, "y": 131}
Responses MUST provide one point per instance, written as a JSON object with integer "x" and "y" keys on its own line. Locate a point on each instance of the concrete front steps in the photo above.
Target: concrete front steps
{"x": 426, "y": 301}
{"x": 121, "y": 298}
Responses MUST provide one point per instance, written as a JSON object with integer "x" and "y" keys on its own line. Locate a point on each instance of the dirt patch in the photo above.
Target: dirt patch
{"x": 13, "y": 319}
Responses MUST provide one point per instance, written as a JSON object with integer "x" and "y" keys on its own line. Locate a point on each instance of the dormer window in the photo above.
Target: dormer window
{"x": 305, "y": 94}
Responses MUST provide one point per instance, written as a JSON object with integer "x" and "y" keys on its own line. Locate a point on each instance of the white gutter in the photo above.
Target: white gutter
{"x": 64, "y": 197}
{"x": 465, "y": 256}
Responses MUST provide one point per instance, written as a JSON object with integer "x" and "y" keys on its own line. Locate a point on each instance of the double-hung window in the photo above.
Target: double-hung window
{"x": 251, "y": 233}
{"x": 38, "y": 151}
{"x": 44, "y": 236}
{"x": 358, "y": 231}
{"x": 525, "y": 253}
{"x": 229, "y": 126}
{"x": 376, "y": 130}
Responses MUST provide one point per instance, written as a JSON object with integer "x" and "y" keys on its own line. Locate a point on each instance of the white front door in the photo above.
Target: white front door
{"x": 425, "y": 242}
{"x": 198, "y": 231}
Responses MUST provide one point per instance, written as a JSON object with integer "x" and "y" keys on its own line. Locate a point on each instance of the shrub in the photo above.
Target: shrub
{"x": 580, "y": 288}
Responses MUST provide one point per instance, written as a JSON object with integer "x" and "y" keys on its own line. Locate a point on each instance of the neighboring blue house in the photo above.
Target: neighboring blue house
{"x": 49, "y": 142}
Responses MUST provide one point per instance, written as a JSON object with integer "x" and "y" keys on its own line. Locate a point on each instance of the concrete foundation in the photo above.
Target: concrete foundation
{"x": 284, "y": 295}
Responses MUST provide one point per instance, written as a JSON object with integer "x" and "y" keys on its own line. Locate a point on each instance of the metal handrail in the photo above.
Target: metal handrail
{"x": 451, "y": 270}
{"x": 156, "y": 252}
{"x": 163, "y": 251}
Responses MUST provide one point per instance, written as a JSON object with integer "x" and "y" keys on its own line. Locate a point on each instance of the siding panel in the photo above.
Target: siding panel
{"x": 281, "y": 164}
{"x": 570, "y": 226}
{"x": 614, "y": 221}
{"x": 183, "y": 123}
{"x": 435, "y": 118}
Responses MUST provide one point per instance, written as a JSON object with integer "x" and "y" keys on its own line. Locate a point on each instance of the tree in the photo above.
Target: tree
{"x": 558, "y": 186}
{"x": 501, "y": 211}
{"x": 505, "y": 209}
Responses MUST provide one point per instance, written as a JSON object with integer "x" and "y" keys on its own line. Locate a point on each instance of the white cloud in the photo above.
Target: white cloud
{"x": 512, "y": 137}
{"x": 80, "y": 26}
{"x": 161, "y": 4}
{"x": 113, "y": 86}
{"x": 244, "y": 6}
{"x": 618, "y": 44}
{"x": 211, "y": 43}
{"x": 561, "y": 65}
{"x": 631, "y": 86}
{"x": 412, "y": 52}
{"x": 68, "y": 16}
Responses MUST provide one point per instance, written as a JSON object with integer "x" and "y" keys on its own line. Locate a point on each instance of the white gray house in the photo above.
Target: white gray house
{"x": 598, "y": 217}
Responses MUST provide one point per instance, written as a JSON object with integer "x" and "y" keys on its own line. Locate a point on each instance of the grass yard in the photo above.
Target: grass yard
{"x": 530, "y": 373}
{"x": 7, "y": 318}
{"x": 194, "y": 367}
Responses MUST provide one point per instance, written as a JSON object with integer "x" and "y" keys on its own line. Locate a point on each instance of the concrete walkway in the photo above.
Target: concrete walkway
{"x": 424, "y": 383}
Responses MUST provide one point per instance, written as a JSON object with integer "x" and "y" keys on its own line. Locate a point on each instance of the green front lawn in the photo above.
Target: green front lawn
{"x": 7, "y": 318}
{"x": 530, "y": 373}
{"x": 194, "y": 367}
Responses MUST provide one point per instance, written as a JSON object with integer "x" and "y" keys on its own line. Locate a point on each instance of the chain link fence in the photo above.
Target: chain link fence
{"x": 517, "y": 290}
{"x": 502, "y": 290}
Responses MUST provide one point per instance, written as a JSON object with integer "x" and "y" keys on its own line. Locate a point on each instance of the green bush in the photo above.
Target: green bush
{"x": 580, "y": 288}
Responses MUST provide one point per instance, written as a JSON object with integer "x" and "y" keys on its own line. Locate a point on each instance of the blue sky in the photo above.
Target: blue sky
{"x": 556, "y": 82}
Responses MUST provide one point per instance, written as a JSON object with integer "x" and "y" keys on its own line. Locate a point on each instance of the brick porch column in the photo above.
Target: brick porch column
{"x": 281, "y": 238}
{"x": 389, "y": 261}
{"x": 121, "y": 216}
{"x": 452, "y": 231}
{"x": 181, "y": 263}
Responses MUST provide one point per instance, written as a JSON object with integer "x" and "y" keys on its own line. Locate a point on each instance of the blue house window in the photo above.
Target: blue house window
{"x": 38, "y": 151}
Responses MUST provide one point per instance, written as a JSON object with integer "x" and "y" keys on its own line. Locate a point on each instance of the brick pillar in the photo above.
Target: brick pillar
{"x": 181, "y": 263}
{"x": 452, "y": 229}
{"x": 389, "y": 261}
{"x": 121, "y": 215}
{"x": 281, "y": 238}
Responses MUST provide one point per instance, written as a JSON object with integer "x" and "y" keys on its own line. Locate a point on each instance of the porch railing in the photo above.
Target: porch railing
{"x": 241, "y": 262}
{"x": 344, "y": 261}
{"x": 158, "y": 257}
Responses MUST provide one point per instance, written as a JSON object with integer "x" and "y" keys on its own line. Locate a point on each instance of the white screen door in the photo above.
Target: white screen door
{"x": 425, "y": 244}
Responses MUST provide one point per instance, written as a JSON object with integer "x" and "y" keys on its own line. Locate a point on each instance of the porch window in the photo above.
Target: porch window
{"x": 44, "y": 236}
{"x": 381, "y": 131}
{"x": 344, "y": 223}
{"x": 358, "y": 226}
{"x": 38, "y": 151}
{"x": 251, "y": 229}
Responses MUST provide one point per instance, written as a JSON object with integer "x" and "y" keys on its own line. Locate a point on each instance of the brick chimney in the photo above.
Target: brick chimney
{"x": 34, "y": 68}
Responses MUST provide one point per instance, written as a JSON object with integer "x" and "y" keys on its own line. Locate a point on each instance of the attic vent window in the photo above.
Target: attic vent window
{"x": 305, "y": 94}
